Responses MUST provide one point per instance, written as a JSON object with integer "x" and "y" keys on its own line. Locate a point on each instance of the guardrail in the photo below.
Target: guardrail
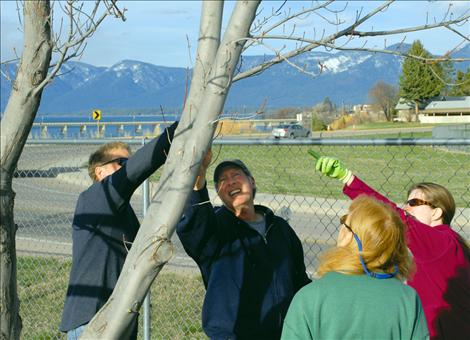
{"x": 100, "y": 127}
{"x": 136, "y": 128}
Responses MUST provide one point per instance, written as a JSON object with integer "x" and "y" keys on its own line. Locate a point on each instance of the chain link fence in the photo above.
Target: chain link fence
{"x": 51, "y": 174}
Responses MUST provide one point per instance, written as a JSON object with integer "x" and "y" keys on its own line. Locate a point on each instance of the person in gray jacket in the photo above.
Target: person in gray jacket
{"x": 105, "y": 225}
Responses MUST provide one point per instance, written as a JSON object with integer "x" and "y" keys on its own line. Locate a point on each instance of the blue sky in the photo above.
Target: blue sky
{"x": 157, "y": 31}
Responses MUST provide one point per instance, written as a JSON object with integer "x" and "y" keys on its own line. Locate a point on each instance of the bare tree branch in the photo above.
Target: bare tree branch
{"x": 409, "y": 29}
{"x": 260, "y": 68}
{"x": 330, "y": 42}
{"x": 291, "y": 63}
{"x": 295, "y": 15}
{"x": 258, "y": 26}
{"x": 78, "y": 33}
{"x": 466, "y": 38}
{"x": 9, "y": 61}
{"x": 373, "y": 50}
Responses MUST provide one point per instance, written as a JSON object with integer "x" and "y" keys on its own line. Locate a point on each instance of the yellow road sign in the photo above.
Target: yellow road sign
{"x": 96, "y": 115}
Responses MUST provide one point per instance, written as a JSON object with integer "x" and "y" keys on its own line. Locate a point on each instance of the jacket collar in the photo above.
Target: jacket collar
{"x": 268, "y": 213}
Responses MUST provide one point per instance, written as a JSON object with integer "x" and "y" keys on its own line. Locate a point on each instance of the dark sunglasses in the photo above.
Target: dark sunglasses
{"x": 343, "y": 219}
{"x": 121, "y": 161}
{"x": 415, "y": 202}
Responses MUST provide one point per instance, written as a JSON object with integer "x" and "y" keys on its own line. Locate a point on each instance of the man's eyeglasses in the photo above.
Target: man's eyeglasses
{"x": 121, "y": 161}
{"x": 343, "y": 219}
{"x": 414, "y": 202}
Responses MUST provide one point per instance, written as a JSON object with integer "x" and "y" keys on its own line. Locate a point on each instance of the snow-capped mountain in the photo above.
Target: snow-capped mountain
{"x": 127, "y": 84}
{"x": 344, "y": 77}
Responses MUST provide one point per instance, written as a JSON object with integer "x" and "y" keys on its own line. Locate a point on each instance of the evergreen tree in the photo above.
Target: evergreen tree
{"x": 461, "y": 84}
{"x": 448, "y": 77}
{"x": 465, "y": 85}
{"x": 327, "y": 105}
{"x": 420, "y": 80}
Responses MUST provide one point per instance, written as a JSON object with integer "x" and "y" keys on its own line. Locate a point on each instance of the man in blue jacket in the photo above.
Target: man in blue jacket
{"x": 105, "y": 225}
{"x": 251, "y": 260}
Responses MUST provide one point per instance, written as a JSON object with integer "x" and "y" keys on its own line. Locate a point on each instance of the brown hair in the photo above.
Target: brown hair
{"x": 382, "y": 234}
{"x": 439, "y": 197}
{"x": 103, "y": 155}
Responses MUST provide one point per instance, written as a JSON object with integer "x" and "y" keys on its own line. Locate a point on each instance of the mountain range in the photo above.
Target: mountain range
{"x": 129, "y": 85}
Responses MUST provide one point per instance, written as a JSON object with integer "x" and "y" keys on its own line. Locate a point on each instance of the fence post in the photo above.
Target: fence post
{"x": 145, "y": 204}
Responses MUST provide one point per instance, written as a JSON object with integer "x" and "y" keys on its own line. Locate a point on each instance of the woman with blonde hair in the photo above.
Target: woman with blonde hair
{"x": 442, "y": 278}
{"x": 359, "y": 294}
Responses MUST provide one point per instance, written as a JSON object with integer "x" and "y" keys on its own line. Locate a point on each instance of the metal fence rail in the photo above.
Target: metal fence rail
{"x": 51, "y": 174}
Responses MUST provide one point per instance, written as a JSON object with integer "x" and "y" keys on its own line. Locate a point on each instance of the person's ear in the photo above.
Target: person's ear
{"x": 344, "y": 237}
{"x": 437, "y": 214}
{"x": 99, "y": 173}
{"x": 253, "y": 183}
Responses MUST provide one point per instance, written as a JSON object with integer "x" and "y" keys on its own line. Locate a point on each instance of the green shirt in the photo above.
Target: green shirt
{"x": 339, "y": 306}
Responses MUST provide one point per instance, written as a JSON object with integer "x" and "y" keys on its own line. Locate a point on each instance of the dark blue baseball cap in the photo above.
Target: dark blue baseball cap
{"x": 230, "y": 163}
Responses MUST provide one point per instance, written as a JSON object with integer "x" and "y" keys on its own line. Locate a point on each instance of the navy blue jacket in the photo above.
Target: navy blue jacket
{"x": 250, "y": 279}
{"x": 103, "y": 226}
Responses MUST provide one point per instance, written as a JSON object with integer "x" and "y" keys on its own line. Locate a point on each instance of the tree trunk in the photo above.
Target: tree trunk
{"x": 9, "y": 303}
{"x": 384, "y": 109}
{"x": 151, "y": 248}
{"x": 15, "y": 126}
{"x": 416, "y": 111}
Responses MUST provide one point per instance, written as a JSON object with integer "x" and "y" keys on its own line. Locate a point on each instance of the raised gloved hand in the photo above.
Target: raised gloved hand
{"x": 331, "y": 167}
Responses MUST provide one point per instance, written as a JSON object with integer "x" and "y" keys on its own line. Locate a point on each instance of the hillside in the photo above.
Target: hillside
{"x": 130, "y": 85}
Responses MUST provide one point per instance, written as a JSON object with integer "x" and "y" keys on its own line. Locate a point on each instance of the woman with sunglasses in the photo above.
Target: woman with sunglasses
{"x": 442, "y": 278}
{"x": 359, "y": 294}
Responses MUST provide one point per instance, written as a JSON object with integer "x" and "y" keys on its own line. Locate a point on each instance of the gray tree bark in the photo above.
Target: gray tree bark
{"x": 33, "y": 75}
{"x": 15, "y": 126}
{"x": 152, "y": 248}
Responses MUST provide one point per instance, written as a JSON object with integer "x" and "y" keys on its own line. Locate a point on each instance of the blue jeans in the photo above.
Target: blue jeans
{"x": 75, "y": 333}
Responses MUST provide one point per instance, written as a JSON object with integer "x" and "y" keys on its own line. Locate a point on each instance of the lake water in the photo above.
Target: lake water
{"x": 149, "y": 123}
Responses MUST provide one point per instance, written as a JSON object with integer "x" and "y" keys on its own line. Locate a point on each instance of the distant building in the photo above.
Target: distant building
{"x": 447, "y": 110}
{"x": 437, "y": 110}
{"x": 362, "y": 108}
{"x": 404, "y": 111}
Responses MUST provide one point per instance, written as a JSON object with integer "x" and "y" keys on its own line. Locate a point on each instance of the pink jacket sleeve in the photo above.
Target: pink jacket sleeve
{"x": 425, "y": 242}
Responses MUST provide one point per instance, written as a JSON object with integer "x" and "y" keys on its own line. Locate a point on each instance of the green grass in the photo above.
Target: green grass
{"x": 390, "y": 169}
{"x": 389, "y": 125}
{"x": 176, "y": 307}
{"x": 393, "y": 135}
{"x": 42, "y": 283}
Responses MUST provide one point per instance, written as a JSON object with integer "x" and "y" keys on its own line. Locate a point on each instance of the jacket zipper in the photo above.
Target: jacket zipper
{"x": 266, "y": 234}
{"x": 275, "y": 289}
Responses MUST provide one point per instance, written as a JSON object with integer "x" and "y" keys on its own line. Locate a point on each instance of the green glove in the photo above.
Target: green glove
{"x": 331, "y": 167}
